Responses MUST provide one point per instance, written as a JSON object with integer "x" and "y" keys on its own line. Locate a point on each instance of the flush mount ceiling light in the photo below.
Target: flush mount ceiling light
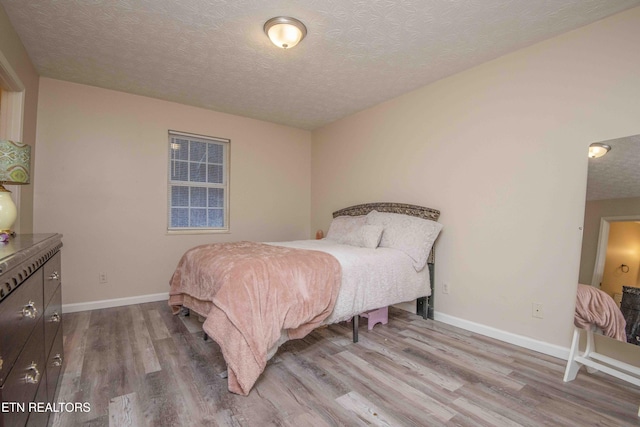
{"x": 598, "y": 150}
{"x": 285, "y": 32}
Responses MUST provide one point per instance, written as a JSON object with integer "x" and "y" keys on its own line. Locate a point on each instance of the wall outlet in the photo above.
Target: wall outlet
{"x": 536, "y": 310}
{"x": 445, "y": 288}
{"x": 102, "y": 278}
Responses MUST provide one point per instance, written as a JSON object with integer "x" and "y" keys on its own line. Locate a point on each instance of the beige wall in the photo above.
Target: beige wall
{"x": 12, "y": 49}
{"x": 102, "y": 182}
{"x": 594, "y": 211}
{"x": 501, "y": 150}
{"x": 623, "y": 248}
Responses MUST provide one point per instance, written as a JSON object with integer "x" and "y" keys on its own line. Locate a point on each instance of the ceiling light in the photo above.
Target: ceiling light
{"x": 285, "y": 32}
{"x": 598, "y": 150}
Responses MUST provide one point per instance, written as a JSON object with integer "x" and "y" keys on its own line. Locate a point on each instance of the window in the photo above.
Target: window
{"x": 198, "y": 183}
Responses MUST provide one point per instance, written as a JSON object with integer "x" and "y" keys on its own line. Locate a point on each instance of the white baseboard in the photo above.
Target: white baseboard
{"x": 508, "y": 337}
{"x": 117, "y": 302}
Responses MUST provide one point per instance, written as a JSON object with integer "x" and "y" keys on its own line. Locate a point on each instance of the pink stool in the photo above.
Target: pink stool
{"x": 381, "y": 315}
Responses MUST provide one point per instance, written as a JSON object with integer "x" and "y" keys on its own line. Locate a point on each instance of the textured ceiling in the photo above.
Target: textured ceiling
{"x": 617, "y": 174}
{"x": 214, "y": 54}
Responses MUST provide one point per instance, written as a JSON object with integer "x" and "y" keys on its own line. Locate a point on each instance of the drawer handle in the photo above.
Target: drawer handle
{"x": 55, "y": 317}
{"x": 57, "y": 360}
{"x": 32, "y": 378}
{"x": 30, "y": 310}
{"x": 54, "y": 276}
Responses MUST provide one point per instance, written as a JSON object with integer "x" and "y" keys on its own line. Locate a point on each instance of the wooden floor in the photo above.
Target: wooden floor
{"x": 141, "y": 366}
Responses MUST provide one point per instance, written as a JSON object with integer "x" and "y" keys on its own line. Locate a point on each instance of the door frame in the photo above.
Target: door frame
{"x": 603, "y": 239}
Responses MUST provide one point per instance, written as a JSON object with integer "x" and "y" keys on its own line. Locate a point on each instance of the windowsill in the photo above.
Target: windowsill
{"x": 192, "y": 231}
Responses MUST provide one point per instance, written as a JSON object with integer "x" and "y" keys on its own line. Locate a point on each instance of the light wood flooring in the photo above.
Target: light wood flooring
{"x": 140, "y": 365}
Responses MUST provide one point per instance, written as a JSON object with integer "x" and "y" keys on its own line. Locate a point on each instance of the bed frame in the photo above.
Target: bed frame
{"x": 424, "y": 305}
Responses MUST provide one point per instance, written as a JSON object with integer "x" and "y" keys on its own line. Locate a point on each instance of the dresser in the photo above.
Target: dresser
{"x": 31, "y": 353}
{"x": 630, "y": 307}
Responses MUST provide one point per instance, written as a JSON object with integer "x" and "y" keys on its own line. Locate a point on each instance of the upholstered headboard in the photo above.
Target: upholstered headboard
{"x": 399, "y": 208}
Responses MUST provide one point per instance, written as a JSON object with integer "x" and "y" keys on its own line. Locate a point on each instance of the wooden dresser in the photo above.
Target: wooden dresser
{"x": 30, "y": 327}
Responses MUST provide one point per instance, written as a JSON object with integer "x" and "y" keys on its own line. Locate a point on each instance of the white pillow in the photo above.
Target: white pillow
{"x": 367, "y": 236}
{"x": 412, "y": 235}
{"x": 343, "y": 225}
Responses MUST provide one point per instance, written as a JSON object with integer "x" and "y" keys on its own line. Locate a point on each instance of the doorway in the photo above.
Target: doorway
{"x": 618, "y": 255}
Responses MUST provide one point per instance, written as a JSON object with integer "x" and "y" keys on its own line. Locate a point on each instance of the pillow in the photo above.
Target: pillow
{"x": 411, "y": 235}
{"x": 366, "y": 236}
{"x": 343, "y": 225}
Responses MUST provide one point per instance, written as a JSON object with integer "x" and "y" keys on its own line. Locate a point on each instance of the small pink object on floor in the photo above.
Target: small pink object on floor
{"x": 381, "y": 315}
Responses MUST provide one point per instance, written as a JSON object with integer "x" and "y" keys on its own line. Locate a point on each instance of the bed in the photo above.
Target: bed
{"x": 256, "y": 296}
{"x": 596, "y": 309}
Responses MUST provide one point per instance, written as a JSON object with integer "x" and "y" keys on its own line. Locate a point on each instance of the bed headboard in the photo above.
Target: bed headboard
{"x": 399, "y": 208}
{"x": 424, "y": 307}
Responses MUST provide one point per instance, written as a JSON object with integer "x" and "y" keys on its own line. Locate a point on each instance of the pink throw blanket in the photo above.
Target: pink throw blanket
{"x": 250, "y": 292}
{"x": 595, "y": 307}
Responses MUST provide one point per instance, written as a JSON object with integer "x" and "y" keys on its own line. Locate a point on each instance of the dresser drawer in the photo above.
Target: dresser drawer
{"x": 52, "y": 276}
{"x": 52, "y": 319}
{"x": 36, "y": 418}
{"x": 54, "y": 365}
{"x": 22, "y": 383}
{"x": 19, "y": 313}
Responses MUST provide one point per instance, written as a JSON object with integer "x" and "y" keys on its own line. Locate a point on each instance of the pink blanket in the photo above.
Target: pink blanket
{"x": 250, "y": 292}
{"x": 595, "y": 307}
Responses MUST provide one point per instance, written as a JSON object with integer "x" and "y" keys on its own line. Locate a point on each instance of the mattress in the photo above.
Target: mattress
{"x": 371, "y": 278}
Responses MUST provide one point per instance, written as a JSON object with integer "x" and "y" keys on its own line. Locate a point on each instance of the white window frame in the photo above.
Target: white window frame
{"x": 11, "y": 119}
{"x": 226, "y": 143}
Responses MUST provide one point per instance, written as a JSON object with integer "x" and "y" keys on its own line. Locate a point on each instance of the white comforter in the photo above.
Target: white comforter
{"x": 371, "y": 278}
